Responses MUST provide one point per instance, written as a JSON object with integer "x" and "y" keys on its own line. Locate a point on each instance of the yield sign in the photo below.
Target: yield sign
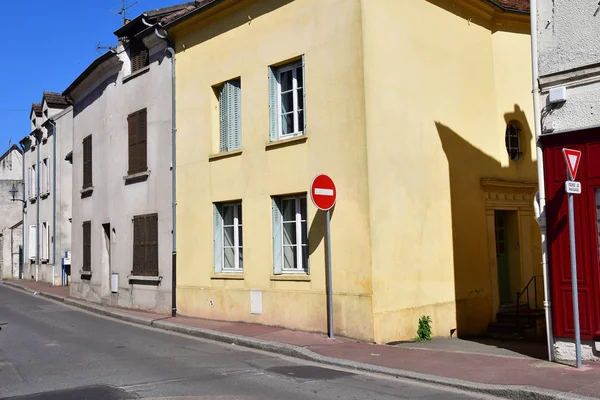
{"x": 572, "y": 158}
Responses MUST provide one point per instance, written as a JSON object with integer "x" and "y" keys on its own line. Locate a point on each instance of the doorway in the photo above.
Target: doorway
{"x": 507, "y": 255}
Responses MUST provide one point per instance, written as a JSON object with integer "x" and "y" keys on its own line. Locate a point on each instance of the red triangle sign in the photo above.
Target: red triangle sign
{"x": 572, "y": 158}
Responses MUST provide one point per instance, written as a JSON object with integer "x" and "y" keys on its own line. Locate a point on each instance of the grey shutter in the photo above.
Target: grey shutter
{"x": 304, "y": 94}
{"x": 277, "y": 239}
{"x": 234, "y": 138}
{"x": 218, "y": 238}
{"x": 273, "y": 106}
{"x": 223, "y": 103}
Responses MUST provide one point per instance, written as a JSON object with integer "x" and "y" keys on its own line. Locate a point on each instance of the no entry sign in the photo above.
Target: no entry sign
{"x": 322, "y": 192}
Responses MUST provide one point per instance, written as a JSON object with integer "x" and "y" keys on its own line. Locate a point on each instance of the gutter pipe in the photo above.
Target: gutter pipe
{"x": 541, "y": 182}
{"x": 171, "y": 50}
{"x": 53, "y": 123}
{"x": 23, "y": 225}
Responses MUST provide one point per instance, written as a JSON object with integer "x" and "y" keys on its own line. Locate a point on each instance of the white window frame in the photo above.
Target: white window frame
{"x": 236, "y": 236}
{"x": 298, "y": 124}
{"x": 301, "y": 241}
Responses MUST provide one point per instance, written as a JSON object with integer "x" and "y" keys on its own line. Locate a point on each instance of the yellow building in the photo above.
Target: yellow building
{"x": 410, "y": 106}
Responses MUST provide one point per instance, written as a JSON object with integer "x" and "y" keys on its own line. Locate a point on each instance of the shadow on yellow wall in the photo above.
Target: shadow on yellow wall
{"x": 467, "y": 166}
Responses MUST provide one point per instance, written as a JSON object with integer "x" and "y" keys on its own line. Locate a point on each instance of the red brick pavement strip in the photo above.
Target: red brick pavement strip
{"x": 474, "y": 368}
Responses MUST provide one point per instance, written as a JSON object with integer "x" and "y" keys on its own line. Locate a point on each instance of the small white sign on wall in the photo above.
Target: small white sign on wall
{"x": 256, "y": 302}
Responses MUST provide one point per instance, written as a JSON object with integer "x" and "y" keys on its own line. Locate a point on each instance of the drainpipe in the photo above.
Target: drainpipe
{"x": 37, "y": 204}
{"x": 53, "y": 123}
{"x": 171, "y": 50}
{"x": 541, "y": 182}
{"x": 23, "y": 224}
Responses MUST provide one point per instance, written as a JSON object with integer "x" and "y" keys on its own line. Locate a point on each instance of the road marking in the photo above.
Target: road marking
{"x": 324, "y": 192}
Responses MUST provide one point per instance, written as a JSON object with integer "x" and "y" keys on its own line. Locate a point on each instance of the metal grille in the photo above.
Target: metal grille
{"x": 145, "y": 245}
{"x": 138, "y": 132}
{"x": 513, "y": 142}
{"x": 87, "y": 246}
{"x": 87, "y": 162}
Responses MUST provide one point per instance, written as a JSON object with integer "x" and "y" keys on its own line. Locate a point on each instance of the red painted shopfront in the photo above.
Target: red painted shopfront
{"x": 587, "y": 209}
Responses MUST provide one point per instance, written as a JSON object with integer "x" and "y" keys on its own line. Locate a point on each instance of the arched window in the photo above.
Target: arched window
{"x": 513, "y": 141}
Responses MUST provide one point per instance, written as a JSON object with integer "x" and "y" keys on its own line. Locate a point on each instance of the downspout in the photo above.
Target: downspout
{"x": 171, "y": 50}
{"x": 541, "y": 183}
{"x": 51, "y": 121}
{"x": 37, "y": 205}
{"x": 23, "y": 224}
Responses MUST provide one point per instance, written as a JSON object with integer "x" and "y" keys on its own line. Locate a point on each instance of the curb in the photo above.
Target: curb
{"x": 509, "y": 392}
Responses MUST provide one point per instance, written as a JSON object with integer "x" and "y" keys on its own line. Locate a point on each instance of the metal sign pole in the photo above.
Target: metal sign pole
{"x": 329, "y": 286}
{"x": 574, "y": 280}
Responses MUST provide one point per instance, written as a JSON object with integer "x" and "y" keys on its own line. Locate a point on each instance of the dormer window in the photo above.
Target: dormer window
{"x": 138, "y": 54}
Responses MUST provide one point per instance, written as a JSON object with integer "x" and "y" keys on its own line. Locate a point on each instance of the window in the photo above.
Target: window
{"x": 33, "y": 182}
{"x": 30, "y": 178}
{"x": 287, "y": 101}
{"x": 87, "y": 162}
{"x": 32, "y": 241}
{"x": 45, "y": 171}
{"x": 290, "y": 235}
{"x": 145, "y": 245}
{"x": 45, "y": 241}
{"x": 229, "y": 254}
{"x": 512, "y": 141}
{"x": 230, "y": 116}
{"x": 87, "y": 246}
{"x": 138, "y": 155}
{"x": 138, "y": 54}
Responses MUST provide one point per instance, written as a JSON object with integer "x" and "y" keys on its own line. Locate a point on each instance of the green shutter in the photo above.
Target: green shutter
{"x": 234, "y": 139}
{"x": 304, "y": 94}
{"x": 223, "y": 103}
{"x": 277, "y": 239}
{"x": 273, "y": 106}
{"x": 218, "y": 238}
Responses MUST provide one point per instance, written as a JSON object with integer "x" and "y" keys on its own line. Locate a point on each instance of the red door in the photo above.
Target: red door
{"x": 586, "y": 232}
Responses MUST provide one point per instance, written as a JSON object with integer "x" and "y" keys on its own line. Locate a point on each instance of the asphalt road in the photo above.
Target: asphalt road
{"x": 51, "y": 351}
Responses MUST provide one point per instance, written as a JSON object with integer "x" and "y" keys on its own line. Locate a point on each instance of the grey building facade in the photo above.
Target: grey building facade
{"x": 122, "y": 174}
{"x": 47, "y": 185}
{"x": 11, "y": 174}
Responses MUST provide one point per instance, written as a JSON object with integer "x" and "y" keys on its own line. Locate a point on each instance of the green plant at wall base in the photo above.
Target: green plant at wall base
{"x": 424, "y": 330}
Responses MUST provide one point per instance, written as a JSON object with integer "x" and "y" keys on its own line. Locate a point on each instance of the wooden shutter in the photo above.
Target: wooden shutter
{"x": 273, "y": 106}
{"x": 145, "y": 245}
{"x": 87, "y": 246}
{"x": 138, "y": 54}
{"x": 87, "y": 162}
{"x": 218, "y": 238}
{"x": 277, "y": 238}
{"x": 303, "y": 96}
{"x": 223, "y": 103}
{"x": 138, "y": 149}
{"x": 32, "y": 241}
{"x": 234, "y": 120}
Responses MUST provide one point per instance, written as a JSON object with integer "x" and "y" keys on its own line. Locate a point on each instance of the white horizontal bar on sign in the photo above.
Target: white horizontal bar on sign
{"x": 324, "y": 192}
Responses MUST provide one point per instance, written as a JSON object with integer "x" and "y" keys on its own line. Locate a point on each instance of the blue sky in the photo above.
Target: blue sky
{"x": 48, "y": 43}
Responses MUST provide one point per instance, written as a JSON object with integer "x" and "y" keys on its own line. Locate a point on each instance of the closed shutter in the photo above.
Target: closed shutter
{"x": 277, "y": 238}
{"x": 29, "y": 180}
{"x": 138, "y": 54}
{"x": 145, "y": 245}
{"x": 87, "y": 162}
{"x": 218, "y": 238}
{"x": 303, "y": 95}
{"x": 234, "y": 137}
{"x": 32, "y": 241}
{"x": 273, "y": 106}
{"x": 45, "y": 241}
{"x": 223, "y": 102}
{"x": 137, "y": 133}
{"x": 87, "y": 246}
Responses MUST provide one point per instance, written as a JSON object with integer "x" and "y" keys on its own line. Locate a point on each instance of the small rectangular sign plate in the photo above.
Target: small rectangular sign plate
{"x": 573, "y": 187}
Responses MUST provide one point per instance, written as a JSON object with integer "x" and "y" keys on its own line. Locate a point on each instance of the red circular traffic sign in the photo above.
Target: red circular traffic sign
{"x": 322, "y": 192}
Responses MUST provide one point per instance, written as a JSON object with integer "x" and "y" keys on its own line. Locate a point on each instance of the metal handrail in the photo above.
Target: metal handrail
{"x": 526, "y": 290}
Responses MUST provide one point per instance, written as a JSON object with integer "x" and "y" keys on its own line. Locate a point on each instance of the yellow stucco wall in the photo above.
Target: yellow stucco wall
{"x": 407, "y": 103}
{"x": 233, "y": 45}
{"x": 439, "y": 82}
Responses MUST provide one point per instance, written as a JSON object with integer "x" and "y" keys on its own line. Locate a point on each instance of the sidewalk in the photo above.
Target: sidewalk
{"x": 517, "y": 377}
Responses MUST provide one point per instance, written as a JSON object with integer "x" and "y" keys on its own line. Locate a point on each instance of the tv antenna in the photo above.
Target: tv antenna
{"x": 123, "y": 11}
